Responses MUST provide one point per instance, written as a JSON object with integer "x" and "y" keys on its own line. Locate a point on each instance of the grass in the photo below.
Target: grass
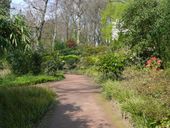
{"x": 145, "y": 111}
{"x": 22, "y": 107}
{"x": 144, "y": 95}
{"x": 12, "y": 80}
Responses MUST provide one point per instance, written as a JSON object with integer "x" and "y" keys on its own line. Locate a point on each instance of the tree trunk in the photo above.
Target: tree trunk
{"x": 42, "y": 21}
{"x": 78, "y": 32}
{"x": 55, "y": 27}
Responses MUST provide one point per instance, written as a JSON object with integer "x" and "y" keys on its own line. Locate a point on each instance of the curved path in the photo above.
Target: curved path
{"x": 79, "y": 106}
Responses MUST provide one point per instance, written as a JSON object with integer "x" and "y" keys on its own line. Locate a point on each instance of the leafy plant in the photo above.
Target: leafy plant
{"x": 71, "y": 43}
{"x": 140, "y": 20}
{"x": 14, "y": 33}
{"x": 111, "y": 65}
{"x": 36, "y": 63}
{"x": 89, "y": 61}
{"x": 59, "y": 45}
{"x": 71, "y": 61}
{"x": 19, "y": 62}
{"x": 52, "y": 63}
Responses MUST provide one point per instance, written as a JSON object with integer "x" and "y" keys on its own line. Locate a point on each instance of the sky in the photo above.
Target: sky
{"x": 17, "y": 5}
{"x": 17, "y": 1}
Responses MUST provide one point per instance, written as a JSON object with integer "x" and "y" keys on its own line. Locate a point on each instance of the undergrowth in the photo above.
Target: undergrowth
{"x": 144, "y": 95}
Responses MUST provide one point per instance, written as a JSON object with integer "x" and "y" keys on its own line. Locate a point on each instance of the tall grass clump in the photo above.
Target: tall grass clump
{"x": 23, "y": 107}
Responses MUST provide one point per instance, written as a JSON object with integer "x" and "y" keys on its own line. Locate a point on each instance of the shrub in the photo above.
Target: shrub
{"x": 19, "y": 62}
{"x": 89, "y": 61}
{"x": 36, "y": 61}
{"x": 153, "y": 63}
{"x": 23, "y": 62}
{"x": 88, "y": 50}
{"x": 52, "y": 63}
{"x": 69, "y": 51}
{"x": 111, "y": 65}
{"x": 71, "y": 43}
{"x": 1, "y": 65}
{"x": 59, "y": 45}
{"x": 14, "y": 33}
{"x": 70, "y": 61}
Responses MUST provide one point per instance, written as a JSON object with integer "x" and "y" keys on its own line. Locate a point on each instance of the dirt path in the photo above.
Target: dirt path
{"x": 79, "y": 106}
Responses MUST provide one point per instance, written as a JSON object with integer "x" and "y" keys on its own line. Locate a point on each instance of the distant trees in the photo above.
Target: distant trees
{"x": 67, "y": 19}
{"x": 110, "y": 16}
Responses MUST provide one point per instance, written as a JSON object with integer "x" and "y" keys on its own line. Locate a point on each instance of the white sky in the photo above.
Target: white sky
{"x": 17, "y": 1}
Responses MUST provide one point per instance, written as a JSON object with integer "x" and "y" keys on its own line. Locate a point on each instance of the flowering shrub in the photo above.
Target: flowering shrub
{"x": 153, "y": 63}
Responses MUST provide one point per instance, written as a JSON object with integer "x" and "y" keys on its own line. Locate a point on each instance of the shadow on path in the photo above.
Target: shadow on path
{"x": 77, "y": 107}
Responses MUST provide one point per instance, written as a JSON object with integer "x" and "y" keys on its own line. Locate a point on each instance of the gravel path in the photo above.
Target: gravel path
{"x": 78, "y": 106}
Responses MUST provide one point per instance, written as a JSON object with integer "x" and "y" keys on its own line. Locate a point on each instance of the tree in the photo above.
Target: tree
{"x": 38, "y": 8}
{"x": 162, "y": 31}
{"x": 5, "y": 7}
{"x": 110, "y": 15}
{"x": 140, "y": 19}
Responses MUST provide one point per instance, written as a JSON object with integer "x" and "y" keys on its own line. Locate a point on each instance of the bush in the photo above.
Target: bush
{"x": 69, "y": 51}
{"x": 71, "y": 43}
{"x": 59, "y": 45}
{"x": 19, "y": 62}
{"x": 71, "y": 61}
{"x": 23, "y": 62}
{"x": 52, "y": 63}
{"x": 22, "y": 107}
{"x": 14, "y": 33}
{"x": 1, "y": 65}
{"x": 88, "y": 50}
{"x": 111, "y": 65}
{"x": 36, "y": 61}
{"x": 89, "y": 61}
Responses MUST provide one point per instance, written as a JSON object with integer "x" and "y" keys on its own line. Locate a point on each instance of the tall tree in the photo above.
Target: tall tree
{"x": 38, "y": 10}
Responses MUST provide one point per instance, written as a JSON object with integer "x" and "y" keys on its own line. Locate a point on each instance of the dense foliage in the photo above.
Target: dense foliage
{"x": 111, "y": 66}
{"x": 14, "y": 34}
{"x": 5, "y": 7}
{"x": 146, "y": 25}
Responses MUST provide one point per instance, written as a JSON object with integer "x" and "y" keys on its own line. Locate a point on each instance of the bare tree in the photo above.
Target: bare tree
{"x": 68, "y": 19}
{"x": 38, "y": 7}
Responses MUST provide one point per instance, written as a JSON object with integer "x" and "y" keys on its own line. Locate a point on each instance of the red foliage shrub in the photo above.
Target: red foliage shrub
{"x": 71, "y": 43}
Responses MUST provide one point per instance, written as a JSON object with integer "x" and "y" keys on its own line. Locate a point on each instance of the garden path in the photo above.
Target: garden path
{"x": 80, "y": 106}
